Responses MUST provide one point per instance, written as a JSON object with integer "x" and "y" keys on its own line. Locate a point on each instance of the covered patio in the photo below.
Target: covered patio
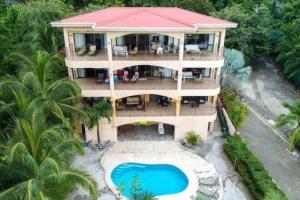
{"x": 136, "y": 132}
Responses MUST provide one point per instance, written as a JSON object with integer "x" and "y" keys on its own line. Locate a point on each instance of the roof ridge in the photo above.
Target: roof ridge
{"x": 121, "y": 16}
{"x": 177, "y": 21}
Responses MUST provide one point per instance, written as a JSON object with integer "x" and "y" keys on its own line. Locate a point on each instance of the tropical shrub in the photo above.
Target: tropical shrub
{"x": 237, "y": 111}
{"x": 192, "y": 138}
{"x": 292, "y": 119}
{"x": 252, "y": 171}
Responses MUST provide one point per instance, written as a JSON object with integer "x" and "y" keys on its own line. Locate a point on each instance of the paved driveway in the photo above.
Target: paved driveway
{"x": 272, "y": 152}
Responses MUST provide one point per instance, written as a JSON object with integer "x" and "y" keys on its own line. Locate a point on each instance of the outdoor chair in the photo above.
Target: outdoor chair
{"x": 119, "y": 106}
{"x": 140, "y": 106}
{"x": 100, "y": 77}
{"x": 81, "y": 51}
{"x": 135, "y": 77}
{"x": 134, "y": 51}
{"x": 92, "y": 50}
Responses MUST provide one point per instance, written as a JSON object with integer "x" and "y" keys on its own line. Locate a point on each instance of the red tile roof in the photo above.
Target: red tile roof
{"x": 147, "y": 18}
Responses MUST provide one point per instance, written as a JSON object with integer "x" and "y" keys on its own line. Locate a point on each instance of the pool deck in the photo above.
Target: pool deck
{"x": 156, "y": 152}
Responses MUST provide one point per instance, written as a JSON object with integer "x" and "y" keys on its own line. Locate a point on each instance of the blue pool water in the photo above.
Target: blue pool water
{"x": 160, "y": 179}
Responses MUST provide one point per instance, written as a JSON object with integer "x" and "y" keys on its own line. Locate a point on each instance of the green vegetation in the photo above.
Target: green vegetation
{"x": 251, "y": 170}
{"x": 192, "y": 138}
{"x": 37, "y": 142}
{"x": 97, "y": 111}
{"x": 237, "y": 111}
{"x": 293, "y": 121}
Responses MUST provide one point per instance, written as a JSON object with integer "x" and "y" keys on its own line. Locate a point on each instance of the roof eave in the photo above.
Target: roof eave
{"x": 62, "y": 24}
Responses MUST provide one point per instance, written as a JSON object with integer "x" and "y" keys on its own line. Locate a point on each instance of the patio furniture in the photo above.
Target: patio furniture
{"x": 132, "y": 101}
{"x": 81, "y": 51}
{"x": 161, "y": 129}
{"x": 119, "y": 106}
{"x": 92, "y": 50}
{"x": 187, "y": 75}
{"x": 159, "y": 50}
{"x": 185, "y": 100}
{"x": 192, "y": 48}
{"x": 135, "y": 77}
{"x": 140, "y": 106}
{"x": 120, "y": 50}
{"x": 100, "y": 77}
{"x": 198, "y": 78}
{"x": 164, "y": 101}
{"x": 134, "y": 51}
{"x": 151, "y": 50}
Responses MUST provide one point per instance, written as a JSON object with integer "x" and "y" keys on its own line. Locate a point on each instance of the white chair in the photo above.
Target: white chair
{"x": 161, "y": 129}
{"x": 159, "y": 50}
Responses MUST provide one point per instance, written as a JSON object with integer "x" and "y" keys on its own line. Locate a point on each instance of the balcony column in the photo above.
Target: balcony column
{"x": 113, "y": 104}
{"x": 67, "y": 43}
{"x": 70, "y": 73}
{"x": 216, "y": 43}
{"x": 111, "y": 80}
{"x": 181, "y": 48}
{"x": 222, "y": 40}
{"x": 214, "y": 100}
{"x": 178, "y": 100}
{"x": 109, "y": 46}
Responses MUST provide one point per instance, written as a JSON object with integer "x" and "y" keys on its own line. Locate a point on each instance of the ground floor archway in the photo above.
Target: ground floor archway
{"x": 145, "y": 131}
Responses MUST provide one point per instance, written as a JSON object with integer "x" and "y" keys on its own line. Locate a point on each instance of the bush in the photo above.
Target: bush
{"x": 237, "y": 111}
{"x": 192, "y": 138}
{"x": 251, "y": 170}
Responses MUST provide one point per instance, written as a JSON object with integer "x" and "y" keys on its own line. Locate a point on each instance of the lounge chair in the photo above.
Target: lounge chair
{"x": 81, "y": 51}
{"x": 92, "y": 50}
{"x": 134, "y": 51}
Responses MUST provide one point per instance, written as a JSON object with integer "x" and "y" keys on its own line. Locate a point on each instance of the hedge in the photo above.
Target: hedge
{"x": 253, "y": 173}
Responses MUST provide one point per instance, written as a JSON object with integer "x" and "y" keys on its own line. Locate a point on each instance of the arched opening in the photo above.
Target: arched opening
{"x": 136, "y": 46}
{"x": 145, "y": 77}
{"x": 146, "y": 131}
{"x": 145, "y": 105}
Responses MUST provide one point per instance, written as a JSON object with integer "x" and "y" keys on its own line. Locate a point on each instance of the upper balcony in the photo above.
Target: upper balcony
{"x": 90, "y": 50}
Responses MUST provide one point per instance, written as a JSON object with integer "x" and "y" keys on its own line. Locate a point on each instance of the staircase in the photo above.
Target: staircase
{"x": 217, "y": 125}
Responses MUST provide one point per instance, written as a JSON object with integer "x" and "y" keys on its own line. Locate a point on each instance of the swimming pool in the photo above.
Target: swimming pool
{"x": 159, "y": 179}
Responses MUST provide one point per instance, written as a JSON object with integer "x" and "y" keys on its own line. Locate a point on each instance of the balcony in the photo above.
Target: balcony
{"x": 90, "y": 84}
{"x": 146, "y": 55}
{"x": 97, "y": 56}
{"x": 152, "y": 83}
{"x": 204, "y": 83}
{"x": 202, "y": 109}
{"x": 155, "y": 109}
{"x": 201, "y": 56}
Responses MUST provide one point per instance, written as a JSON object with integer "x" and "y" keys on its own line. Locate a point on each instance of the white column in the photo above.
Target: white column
{"x": 181, "y": 50}
{"x": 222, "y": 40}
{"x": 70, "y": 73}
{"x": 67, "y": 43}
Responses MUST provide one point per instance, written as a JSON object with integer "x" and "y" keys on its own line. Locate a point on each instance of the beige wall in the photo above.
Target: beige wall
{"x": 182, "y": 124}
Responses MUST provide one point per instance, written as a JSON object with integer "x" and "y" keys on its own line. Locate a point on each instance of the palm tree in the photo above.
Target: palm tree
{"x": 293, "y": 121}
{"x": 40, "y": 80}
{"x": 35, "y": 163}
{"x": 96, "y": 112}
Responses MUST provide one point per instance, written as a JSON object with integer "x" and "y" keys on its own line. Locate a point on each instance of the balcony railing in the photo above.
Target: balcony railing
{"x": 148, "y": 84}
{"x": 91, "y": 84}
{"x": 202, "y": 109}
{"x": 98, "y": 55}
{"x": 146, "y": 55}
{"x": 202, "y": 56}
{"x": 151, "y": 83}
{"x": 155, "y": 109}
{"x": 203, "y": 83}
